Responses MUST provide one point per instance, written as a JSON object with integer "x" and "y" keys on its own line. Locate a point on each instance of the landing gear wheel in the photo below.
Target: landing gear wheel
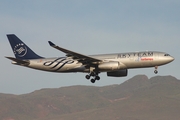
{"x": 93, "y": 80}
{"x": 88, "y": 77}
{"x": 97, "y": 78}
{"x": 94, "y": 75}
{"x": 155, "y": 71}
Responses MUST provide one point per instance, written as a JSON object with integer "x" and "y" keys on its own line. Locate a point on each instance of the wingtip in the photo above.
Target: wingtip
{"x": 51, "y": 43}
{"x": 6, "y": 56}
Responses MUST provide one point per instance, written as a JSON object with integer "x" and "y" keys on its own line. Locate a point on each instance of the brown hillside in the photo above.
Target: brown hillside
{"x": 138, "y": 98}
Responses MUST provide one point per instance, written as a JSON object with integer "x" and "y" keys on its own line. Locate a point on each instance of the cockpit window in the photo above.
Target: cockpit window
{"x": 166, "y": 55}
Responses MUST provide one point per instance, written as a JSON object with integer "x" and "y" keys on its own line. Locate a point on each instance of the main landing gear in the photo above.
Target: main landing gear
{"x": 155, "y": 71}
{"x": 94, "y": 75}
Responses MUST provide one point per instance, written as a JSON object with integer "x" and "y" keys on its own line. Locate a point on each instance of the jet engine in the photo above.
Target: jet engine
{"x": 109, "y": 66}
{"x": 119, "y": 73}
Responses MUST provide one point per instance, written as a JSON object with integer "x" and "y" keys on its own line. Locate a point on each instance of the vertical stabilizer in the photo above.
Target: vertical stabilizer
{"x": 20, "y": 49}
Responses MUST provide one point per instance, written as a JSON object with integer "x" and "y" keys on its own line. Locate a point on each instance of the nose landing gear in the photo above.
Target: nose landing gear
{"x": 155, "y": 71}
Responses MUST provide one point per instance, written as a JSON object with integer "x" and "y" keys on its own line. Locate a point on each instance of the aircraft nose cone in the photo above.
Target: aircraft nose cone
{"x": 171, "y": 59}
{"x": 167, "y": 59}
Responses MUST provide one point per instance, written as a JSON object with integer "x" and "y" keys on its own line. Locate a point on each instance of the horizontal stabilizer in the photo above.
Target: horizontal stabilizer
{"x": 18, "y": 61}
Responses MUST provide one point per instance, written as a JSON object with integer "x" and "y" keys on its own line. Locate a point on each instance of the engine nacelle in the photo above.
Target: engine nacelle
{"x": 109, "y": 66}
{"x": 119, "y": 73}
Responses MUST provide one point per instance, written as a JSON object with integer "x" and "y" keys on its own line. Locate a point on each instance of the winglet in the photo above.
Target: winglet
{"x": 51, "y": 43}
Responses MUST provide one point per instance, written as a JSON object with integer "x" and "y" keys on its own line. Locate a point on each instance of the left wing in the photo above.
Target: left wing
{"x": 80, "y": 57}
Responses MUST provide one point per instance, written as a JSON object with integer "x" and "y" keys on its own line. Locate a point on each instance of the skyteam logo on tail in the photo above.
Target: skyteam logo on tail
{"x": 20, "y": 50}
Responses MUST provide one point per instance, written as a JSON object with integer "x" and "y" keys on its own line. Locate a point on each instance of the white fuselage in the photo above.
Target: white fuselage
{"x": 124, "y": 60}
{"x": 116, "y": 65}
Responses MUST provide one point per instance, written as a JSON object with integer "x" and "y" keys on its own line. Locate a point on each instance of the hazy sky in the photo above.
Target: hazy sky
{"x": 87, "y": 27}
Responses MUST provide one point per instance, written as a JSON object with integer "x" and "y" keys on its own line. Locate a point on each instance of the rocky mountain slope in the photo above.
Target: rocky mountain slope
{"x": 138, "y": 98}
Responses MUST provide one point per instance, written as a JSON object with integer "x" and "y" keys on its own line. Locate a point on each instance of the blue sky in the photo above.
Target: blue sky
{"x": 87, "y": 27}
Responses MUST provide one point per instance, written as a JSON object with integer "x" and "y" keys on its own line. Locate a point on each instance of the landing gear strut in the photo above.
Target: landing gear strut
{"x": 155, "y": 71}
{"x": 94, "y": 75}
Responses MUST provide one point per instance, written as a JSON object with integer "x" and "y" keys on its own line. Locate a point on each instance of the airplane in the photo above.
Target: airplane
{"x": 115, "y": 65}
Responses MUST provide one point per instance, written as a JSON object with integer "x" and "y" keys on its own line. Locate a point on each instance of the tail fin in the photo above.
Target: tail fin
{"x": 20, "y": 49}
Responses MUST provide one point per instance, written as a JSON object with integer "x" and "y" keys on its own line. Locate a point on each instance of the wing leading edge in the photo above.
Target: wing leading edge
{"x": 80, "y": 57}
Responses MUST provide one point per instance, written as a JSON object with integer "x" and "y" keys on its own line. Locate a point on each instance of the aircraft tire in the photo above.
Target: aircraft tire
{"x": 155, "y": 71}
{"x": 87, "y": 77}
{"x": 97, "y": 78}
{"x": 93, "y": 80}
